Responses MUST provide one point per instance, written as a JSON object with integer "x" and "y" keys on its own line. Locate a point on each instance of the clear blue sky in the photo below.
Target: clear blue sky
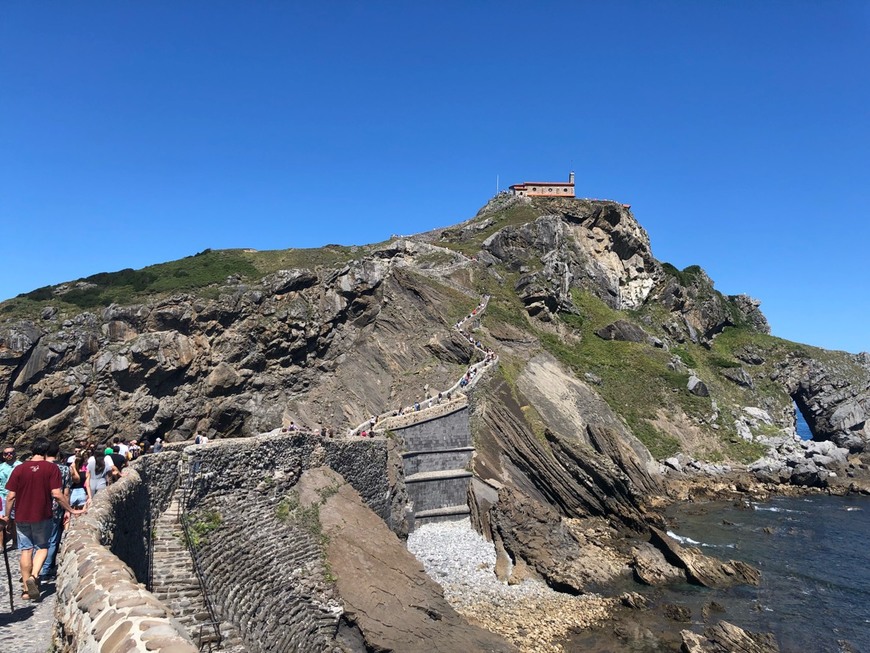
{"x": 133, "y": 133}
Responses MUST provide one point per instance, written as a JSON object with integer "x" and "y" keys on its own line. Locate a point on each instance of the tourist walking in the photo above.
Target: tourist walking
{"x": 9, "y": 463}
{"x": 78, "y": 473}
{"x": 31, "y": 487}
{"x": 97, "y": 475}
{"x": 58, "y": 516}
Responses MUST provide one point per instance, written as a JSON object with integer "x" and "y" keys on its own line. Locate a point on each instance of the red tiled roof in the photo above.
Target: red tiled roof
{"x": 543, "y": 183}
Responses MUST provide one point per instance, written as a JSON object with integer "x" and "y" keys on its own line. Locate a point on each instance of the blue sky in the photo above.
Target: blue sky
{"x": 133, "y": 133}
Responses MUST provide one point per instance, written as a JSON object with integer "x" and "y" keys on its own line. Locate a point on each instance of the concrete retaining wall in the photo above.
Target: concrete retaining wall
{"x": 430, "y": 461}
{"x": 434, "y": 493}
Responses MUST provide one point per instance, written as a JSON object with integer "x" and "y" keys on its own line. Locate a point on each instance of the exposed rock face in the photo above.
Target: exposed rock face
{"x": 385, "y": 592}
{"x": 701, "y": 569}
{"x": 535, "y": 535}
{"x": 725, "y": 637}
{"x": 651, "y": 567}
{"x": 623, "y": 330}
{"x": 834, "y": 398}
{"x": 700, "y": 311}
{"x": 594, "y": 245}
{"x": 564, "y": 470}
{"x": 331, "y": 346}
{"x": 252, "y": 360}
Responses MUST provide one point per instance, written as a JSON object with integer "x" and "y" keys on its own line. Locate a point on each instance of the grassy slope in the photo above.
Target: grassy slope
{"x": 202, "y": 273}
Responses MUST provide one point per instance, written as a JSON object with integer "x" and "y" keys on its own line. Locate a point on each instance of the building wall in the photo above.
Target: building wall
{"x": 531, "y": 190}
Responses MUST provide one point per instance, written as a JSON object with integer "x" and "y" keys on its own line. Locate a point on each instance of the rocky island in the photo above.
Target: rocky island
{"x": 601, "y": 385}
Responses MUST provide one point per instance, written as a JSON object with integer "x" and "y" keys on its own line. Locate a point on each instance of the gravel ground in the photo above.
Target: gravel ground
{"x": 27, "y": 628}
{"x": 529, "y": 614}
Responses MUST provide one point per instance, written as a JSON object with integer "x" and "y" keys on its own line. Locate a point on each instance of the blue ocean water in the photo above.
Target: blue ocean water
{"x": 815, "y": 561}
{"x": 803, "y": 429}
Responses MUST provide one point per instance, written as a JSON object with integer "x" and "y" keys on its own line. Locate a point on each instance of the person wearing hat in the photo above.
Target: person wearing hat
{"x": 158, "y": 446}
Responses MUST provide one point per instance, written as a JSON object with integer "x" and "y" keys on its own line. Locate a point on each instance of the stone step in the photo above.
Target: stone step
{"x": 439, "y": 475}
{"x": 176, "y": 586}
{"x": 448, "y": 511}
{"x": 423, "y": 452}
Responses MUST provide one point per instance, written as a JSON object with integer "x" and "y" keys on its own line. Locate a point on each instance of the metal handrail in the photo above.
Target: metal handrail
{"x": 186, "y": 475}
{"x": 149, "y": 551}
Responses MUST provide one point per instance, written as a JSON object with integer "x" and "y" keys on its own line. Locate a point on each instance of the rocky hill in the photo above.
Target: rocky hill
{"x": 620, "y": 379}
{"x": 591, "y": 327}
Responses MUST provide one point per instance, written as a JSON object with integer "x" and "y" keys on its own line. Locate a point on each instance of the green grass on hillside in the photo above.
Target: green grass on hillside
{"x": 516, "y": 214}
{"x": 193, "y": 273}
{"x": 636, "y": 381}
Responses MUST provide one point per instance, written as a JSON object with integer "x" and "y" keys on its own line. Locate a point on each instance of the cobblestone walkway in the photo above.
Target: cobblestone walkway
{"x": 27, "y": 629}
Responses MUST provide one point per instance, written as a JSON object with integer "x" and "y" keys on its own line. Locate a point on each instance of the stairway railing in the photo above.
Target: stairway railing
{"x": 186, "y": 474}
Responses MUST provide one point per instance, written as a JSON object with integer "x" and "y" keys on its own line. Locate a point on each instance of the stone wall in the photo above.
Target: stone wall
{"x": 435, "y": 490}
{"x": 276, "y": 460}
{"x": 262, "y": 557}
{"x": 264, "y": 570}
{"x": 101, "y": 604}
{"x": 430, "y": 461}
{"x": 436, "y": 455}
{"x": 104, "y": 562}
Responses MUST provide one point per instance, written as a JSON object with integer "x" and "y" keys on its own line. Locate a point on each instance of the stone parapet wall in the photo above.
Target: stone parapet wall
{"x": 101, "y": 604}
{"x": 103, "y": 566}
{"x": 276, "y": 460}
{"x": 262, "y": 563}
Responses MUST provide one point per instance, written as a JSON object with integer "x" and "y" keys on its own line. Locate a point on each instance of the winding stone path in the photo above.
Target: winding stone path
{"x": 428, "y": 407}
{"x": 28, "y": 628}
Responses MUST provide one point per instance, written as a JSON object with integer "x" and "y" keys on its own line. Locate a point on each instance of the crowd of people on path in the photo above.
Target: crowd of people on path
{"x": 41, "y": 489}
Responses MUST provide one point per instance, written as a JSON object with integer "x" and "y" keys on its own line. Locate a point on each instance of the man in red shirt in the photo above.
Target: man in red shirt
{"x": 31, "y": 486}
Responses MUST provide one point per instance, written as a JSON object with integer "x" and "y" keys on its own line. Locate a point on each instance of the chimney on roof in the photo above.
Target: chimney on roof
{"x": 571, "y": 177}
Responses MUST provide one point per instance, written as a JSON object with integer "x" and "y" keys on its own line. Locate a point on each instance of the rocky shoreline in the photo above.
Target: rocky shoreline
{"x": 628, "y": 613}
{"x": 529, "y": 613}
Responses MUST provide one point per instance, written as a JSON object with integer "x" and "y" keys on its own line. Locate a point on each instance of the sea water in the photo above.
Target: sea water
{"x": 814, "y": 557}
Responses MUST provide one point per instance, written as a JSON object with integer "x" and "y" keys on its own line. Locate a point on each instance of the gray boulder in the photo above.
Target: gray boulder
{"x": 697, "y": 387}
{"x": 738, "y": 375}
{"x": 623, "y": 330}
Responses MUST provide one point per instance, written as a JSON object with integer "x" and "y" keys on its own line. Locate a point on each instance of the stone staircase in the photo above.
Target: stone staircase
{"x": 175, "y": 584}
